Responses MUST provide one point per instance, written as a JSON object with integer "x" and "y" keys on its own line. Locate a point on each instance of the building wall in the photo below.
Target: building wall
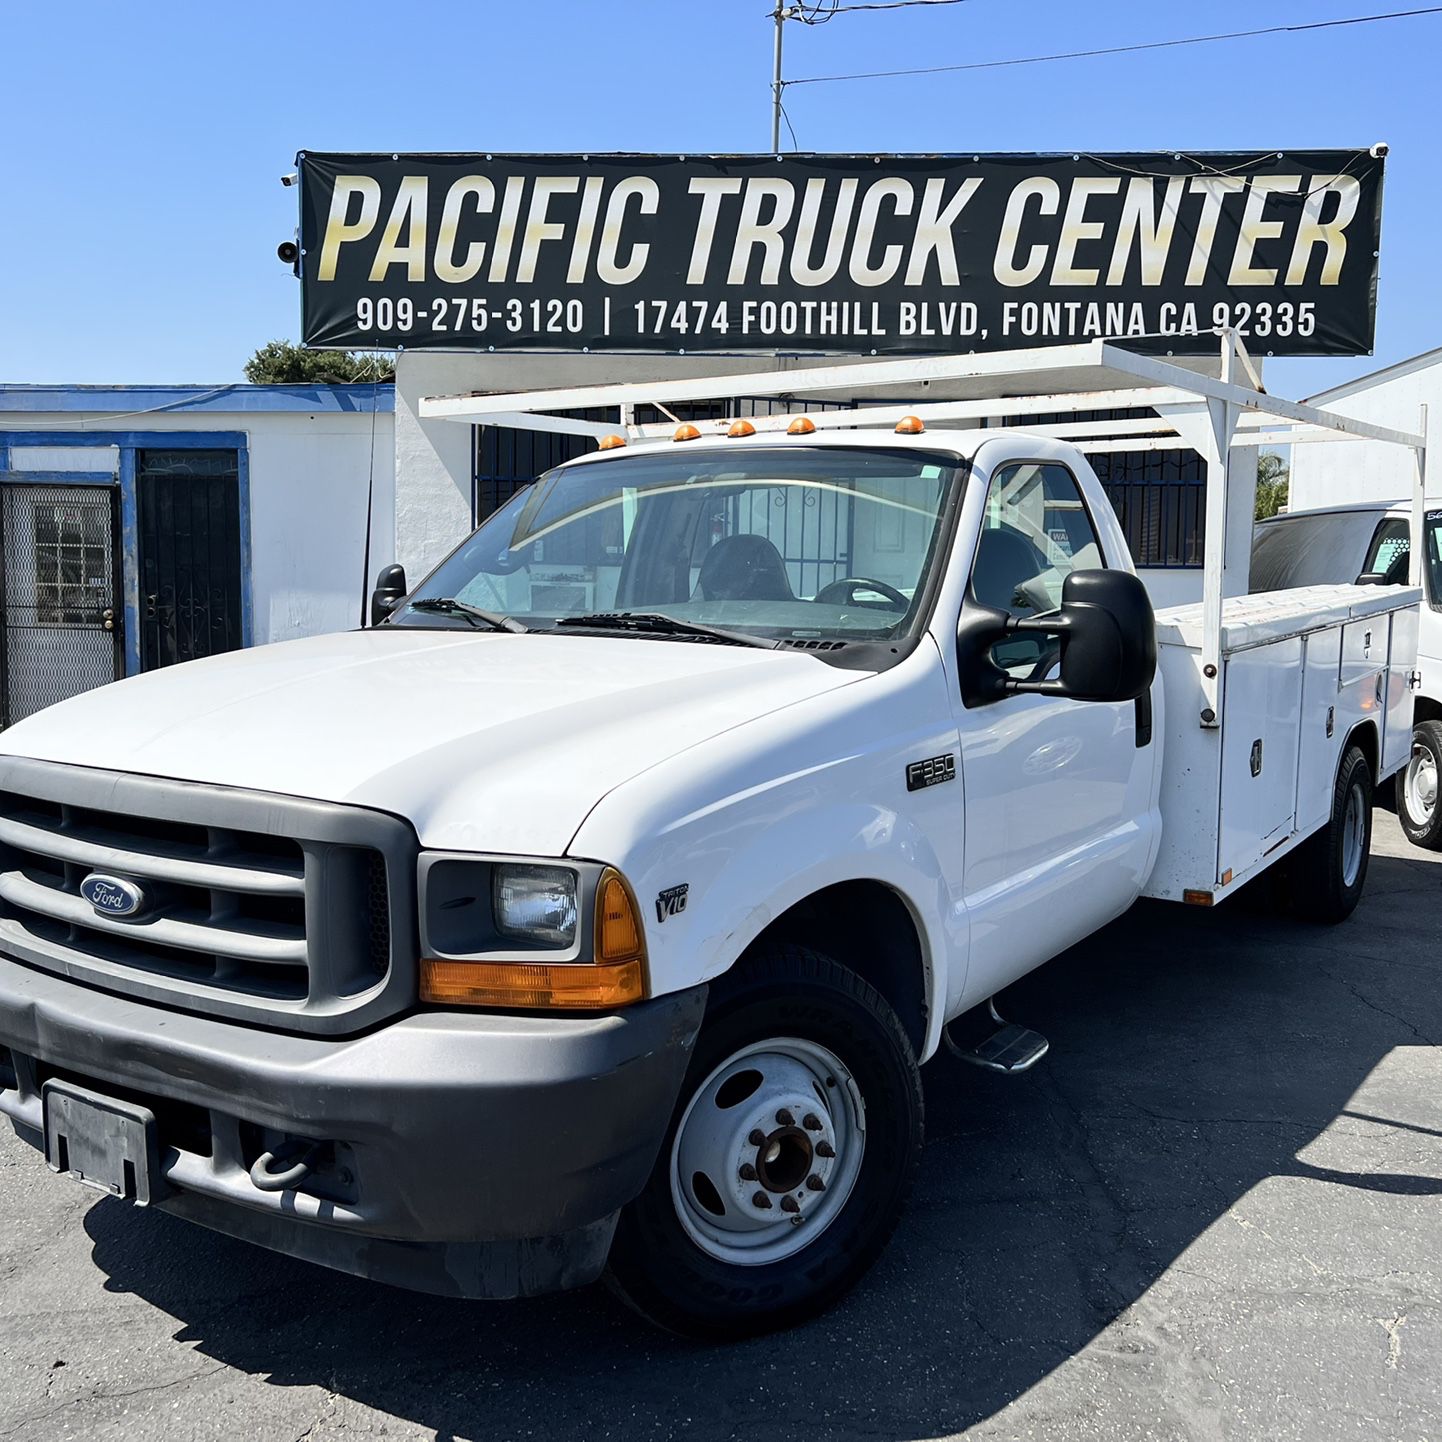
{"x": 1334, "y": 474}
{"x": 308, "y": 477}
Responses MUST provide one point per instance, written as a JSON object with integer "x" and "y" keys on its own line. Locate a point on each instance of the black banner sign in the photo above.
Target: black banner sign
{"x": 858, "y": 254}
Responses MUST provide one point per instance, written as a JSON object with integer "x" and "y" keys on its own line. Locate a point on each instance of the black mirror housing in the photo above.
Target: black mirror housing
{"x": 390, "y": 591}
{"x": 1107, "y": 634}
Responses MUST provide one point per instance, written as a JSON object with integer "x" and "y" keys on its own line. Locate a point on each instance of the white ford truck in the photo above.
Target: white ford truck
{"x": 596, "y": 909}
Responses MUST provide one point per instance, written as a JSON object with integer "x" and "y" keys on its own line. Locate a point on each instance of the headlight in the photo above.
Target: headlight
{"x": 528, "y": 935}
{"x": 535, "y": 904}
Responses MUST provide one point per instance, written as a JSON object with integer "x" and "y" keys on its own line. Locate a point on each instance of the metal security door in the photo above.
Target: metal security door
{"x": 190, "y": 570}
{"x": 59, "y": 593}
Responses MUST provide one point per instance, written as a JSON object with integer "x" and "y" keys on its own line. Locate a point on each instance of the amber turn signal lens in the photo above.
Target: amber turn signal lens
{"x": 910, "y": 426}
{"x": 618, "y": 929}
{"x": 741, "y": 428}
{"x": 518, "y": 985}
{"x": 687, "y": 432}
{"x": 609, "y": 443}
{"x": 801, "y": 426}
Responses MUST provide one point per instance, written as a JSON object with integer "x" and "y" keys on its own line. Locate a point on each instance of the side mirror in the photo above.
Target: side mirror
{"x": 390, "y": 591}
{"x": 1105, "y": 643}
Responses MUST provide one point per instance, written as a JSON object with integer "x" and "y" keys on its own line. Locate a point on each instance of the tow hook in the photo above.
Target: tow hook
{"x": 286, "y": 1167}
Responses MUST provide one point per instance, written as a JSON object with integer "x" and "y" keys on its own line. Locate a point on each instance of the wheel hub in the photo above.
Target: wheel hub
{"x": 767, "y": 1151}
{"x": 1422, "y": 783}
{"x": 783, "y": 1160}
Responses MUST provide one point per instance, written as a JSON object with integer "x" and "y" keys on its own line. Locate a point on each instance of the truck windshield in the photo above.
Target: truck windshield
{"x": 771, "y": 542}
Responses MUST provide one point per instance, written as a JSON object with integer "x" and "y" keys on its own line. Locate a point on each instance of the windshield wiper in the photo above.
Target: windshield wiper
{"x": 653, "y": 623}
{"x": 449, "y": 606}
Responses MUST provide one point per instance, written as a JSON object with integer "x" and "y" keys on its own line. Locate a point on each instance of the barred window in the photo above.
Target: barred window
{"x": 72, "y": 562}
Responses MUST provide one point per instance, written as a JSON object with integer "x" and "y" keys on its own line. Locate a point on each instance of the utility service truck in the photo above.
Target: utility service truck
{"x": 594, "y": 910}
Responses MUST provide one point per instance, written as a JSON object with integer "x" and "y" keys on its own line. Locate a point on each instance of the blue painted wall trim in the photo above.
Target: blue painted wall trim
{"x": 167, "y": 440}
{"x": 127, "y": 400}
{"x": 247, "y": 625}
{"x": 130, "y": 544}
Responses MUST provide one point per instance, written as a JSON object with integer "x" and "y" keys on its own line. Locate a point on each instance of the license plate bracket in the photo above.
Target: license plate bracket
{"x": 105, "y": 1143}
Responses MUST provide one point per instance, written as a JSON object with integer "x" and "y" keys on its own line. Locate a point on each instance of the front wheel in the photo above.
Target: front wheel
{"x": 1417, "y": 807}
{"x": 794, "y": 1144}
{"x": 1329, "y": 869}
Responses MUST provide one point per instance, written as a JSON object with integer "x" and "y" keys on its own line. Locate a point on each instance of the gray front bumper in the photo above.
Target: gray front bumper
{"x": 474, "y": 1154}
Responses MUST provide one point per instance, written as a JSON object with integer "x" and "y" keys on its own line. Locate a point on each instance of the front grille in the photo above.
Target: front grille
{"x": 275, "y": 908}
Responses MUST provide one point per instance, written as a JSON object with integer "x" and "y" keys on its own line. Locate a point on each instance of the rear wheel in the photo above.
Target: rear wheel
{"x": 1417, "y": 807}
{"x": 1329, "y": 869}
{"x": 792, "y": 1150}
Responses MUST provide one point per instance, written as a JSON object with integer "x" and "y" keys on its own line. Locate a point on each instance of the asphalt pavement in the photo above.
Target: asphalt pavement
{"x": 1214, "y": 1211}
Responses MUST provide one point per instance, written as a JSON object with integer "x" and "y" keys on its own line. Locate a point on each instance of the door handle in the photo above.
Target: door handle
{"x": 107, "y": 619}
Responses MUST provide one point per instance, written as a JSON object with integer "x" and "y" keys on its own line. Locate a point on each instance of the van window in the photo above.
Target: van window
{"x": 1389, "y": 553}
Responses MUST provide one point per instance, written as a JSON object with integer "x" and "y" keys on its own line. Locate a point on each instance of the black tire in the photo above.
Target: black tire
{"x": 1322, "y": 889}
{"x": 1422, "y": 828}
{"x": 784, "y": 991}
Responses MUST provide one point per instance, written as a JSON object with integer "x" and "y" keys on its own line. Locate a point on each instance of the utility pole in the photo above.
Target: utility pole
{"x": 781, "y": 14}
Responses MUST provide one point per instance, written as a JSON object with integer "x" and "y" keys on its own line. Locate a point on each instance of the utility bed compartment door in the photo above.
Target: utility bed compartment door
{"x": 1401, "y": 662}
{"x": 1261, "y": 722}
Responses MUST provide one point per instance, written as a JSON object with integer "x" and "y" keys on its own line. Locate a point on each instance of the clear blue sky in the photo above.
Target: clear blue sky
{"x": 143, "y": 143}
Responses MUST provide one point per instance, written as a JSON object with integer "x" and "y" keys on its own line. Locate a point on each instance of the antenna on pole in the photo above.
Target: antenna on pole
{"x": 781, "y": 14}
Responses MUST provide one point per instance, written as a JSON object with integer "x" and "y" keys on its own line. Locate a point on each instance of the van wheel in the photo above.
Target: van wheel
{"x": 789, "y": 1158}
{"x": 1329, "y": 869}
{"x": 1417, "y": 807}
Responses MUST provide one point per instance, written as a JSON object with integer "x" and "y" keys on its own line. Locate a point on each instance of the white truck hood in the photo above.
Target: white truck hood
{"x": 484, "y": 741}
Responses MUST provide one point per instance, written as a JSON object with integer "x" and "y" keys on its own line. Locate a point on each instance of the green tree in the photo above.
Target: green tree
{"x": 1273, "y": 476}
{"x": 279, "y": 362}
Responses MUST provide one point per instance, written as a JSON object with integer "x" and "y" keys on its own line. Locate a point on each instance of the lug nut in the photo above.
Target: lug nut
{"x": 790, "y": 1204}
{"x": 825, "y": 1149}
{"x": 815, "y": 1184}
{"x": 760, "y": 1199}
{"x": 748, "y": 1172}
{"x": 785, "y": 1119}
{"x": 757, "y": 1136}
{"x": 811, "y": 1122}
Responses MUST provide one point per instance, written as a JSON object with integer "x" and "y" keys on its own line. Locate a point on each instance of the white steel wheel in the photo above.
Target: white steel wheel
{"x": 1354, "y": 834}
{"x": 1421, "y": 784}
{"x": 768, "y": 1151}
{"x": 1417, "y": 807}
{"x": 1329, "y": 869}
{"x": 802, "y": 1091}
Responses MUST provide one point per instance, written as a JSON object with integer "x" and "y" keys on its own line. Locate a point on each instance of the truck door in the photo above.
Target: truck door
{"x": 1058, "y": 793}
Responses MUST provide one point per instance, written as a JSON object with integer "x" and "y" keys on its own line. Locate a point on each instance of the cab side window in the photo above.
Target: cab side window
{"x": 1034, "y": 534}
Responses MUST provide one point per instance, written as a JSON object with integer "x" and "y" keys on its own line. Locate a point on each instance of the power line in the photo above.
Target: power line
{"x": 820, "y": 13}
{"x": 1119, "y": 49}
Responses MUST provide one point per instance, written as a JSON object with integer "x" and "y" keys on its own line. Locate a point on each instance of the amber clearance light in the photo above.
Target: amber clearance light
{"x": 617, "y": 977}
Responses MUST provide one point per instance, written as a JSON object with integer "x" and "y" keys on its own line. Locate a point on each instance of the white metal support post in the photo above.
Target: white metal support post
{"x": 1431, "y": 445}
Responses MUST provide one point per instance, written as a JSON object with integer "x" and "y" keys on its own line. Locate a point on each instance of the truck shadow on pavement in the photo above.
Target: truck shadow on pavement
{"x": 1194, "y": 1055}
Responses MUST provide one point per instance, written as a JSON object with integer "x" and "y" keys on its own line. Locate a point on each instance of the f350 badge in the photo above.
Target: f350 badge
{"x": 672, "y": 901}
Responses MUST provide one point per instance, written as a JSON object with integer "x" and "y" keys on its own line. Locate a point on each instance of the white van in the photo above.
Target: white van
{"x": 1370, "y": 542}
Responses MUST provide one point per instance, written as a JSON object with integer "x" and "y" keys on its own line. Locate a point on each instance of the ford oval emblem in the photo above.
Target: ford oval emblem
{"x": 112, "y": 895}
